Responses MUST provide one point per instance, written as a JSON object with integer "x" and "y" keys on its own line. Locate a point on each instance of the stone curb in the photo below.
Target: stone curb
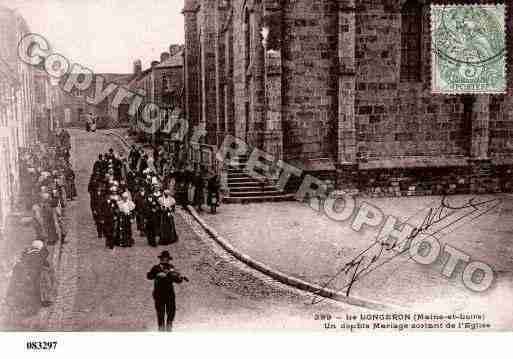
{"x": 286, "y": 279}
{"x": 275, "y": 274}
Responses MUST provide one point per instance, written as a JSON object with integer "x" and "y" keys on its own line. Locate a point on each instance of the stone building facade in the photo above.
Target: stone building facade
{"x": 8, "y": 142}
{"x": 161, "y": 84}
{"x": 48, "y": 100}
{"x": 12, "y": 29}
{"x": 342, "y": 89}
{"x": 18, "y": 127}
{"x": 168, "y": 79}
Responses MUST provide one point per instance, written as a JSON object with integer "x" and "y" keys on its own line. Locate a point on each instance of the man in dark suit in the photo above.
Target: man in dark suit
{"x": 117, "y": 164}
{"x": 131, "y": 182}
{"x": 96, "y": 209}
{"x": 133, "y": 158}
{"x": 152, "y": 218}
{"x": 140, "y": 209}
{"x": 100, "y": 165}
{"x": 109, "y": 217}
{"x": 163, "y": 276}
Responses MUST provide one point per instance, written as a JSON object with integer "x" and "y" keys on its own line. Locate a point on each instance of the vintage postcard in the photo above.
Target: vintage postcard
{"x": 340, "y": 166}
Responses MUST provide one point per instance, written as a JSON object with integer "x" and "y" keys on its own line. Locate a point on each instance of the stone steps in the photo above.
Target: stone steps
{"x": 243, "y": 188}
{"x": 238, "y": 181}
{"x": 265, "y": 188}
{"x": 260, "y": 198}
{"x": 255, "y": 193}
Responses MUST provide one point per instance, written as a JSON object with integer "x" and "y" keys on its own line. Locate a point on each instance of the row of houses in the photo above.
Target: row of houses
{"x": 28, "y": 101}
{"x": 161, "y": 83}
{"x": 76, "y": 109}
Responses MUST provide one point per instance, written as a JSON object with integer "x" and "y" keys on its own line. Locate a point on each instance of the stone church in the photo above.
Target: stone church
{"x": 342, "y": 90}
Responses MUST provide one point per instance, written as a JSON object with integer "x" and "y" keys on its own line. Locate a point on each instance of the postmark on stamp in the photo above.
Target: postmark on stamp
{"x": 468, "y": 49}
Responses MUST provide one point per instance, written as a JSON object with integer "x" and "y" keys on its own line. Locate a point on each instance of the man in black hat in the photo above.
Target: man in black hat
{"x": 152, "y": 218}
{"x": 140, "y": 210}
{"x": 109, "y": 216}
{"x": 133, "y": 158}
{"x": 163, "y": 276}
{"x": 97, "y": 198}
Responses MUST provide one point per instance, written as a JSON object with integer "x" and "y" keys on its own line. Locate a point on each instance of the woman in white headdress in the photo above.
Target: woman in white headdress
{"x": 167, "y": 219}
{"x": 126, "y": 212}
{"x": 151, "y": 164}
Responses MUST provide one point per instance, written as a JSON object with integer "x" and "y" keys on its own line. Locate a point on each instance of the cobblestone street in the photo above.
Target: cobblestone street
{"x": 104, "y": 290}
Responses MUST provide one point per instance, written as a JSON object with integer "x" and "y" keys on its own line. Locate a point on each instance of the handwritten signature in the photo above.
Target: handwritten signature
{"x": 438, "y": 222}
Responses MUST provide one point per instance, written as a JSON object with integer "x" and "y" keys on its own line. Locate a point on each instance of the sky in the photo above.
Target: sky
{"x": 105, "y": 35}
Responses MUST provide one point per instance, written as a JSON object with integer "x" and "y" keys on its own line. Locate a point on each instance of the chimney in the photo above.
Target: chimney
{"x": 137, "y": 67}
{"x": 164, "y": 56}
{"x": 174, "y": 49}
{"x": 154, "y": 63}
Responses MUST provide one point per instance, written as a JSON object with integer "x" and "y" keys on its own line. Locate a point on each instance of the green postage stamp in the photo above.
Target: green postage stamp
{"x": 468, "y": 49}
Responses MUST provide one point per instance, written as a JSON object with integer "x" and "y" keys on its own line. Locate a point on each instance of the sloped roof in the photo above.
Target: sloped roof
{"x": 174, "y": 61}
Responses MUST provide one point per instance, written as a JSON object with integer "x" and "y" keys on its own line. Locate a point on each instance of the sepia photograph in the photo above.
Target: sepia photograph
{"x": 284, "y": 166}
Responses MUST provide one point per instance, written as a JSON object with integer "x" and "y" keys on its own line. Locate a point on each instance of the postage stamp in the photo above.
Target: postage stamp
{"x": 468, "y": 49}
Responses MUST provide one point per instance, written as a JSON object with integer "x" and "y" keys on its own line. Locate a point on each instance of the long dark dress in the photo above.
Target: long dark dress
{"x": 213, "y": 190}
{"x": 167, "y": 226}
{"x": 48, "y": 281}
{"x": 199, "y": 190}
{"x": 181, "y": 188}
{"x": 140, "y": 206}
{"x": 71, "y": 189}
{"x": 49, "y": 222}
{"x": 125, "y": 214}
{"x": 24, "y": 292}
{"x": 96, "y": 207}
{"x": 131, "y": 182}
{"x": 109, "y": 213}
{"x": 124, "y": 237}
{"x": 143, "y": 164}
{"x": 133, "y": 159}
{"x": 152, "y": 221}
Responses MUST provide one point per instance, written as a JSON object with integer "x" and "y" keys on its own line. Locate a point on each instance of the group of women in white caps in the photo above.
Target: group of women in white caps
{"x": 47, "y": 185}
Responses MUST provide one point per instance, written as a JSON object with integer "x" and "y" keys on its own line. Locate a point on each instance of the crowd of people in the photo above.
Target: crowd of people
{"x": 47, "y": 183}
{"x": 145, "y": 189}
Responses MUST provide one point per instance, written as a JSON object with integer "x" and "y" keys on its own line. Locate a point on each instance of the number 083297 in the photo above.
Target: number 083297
{"x": 31, "y": 345}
